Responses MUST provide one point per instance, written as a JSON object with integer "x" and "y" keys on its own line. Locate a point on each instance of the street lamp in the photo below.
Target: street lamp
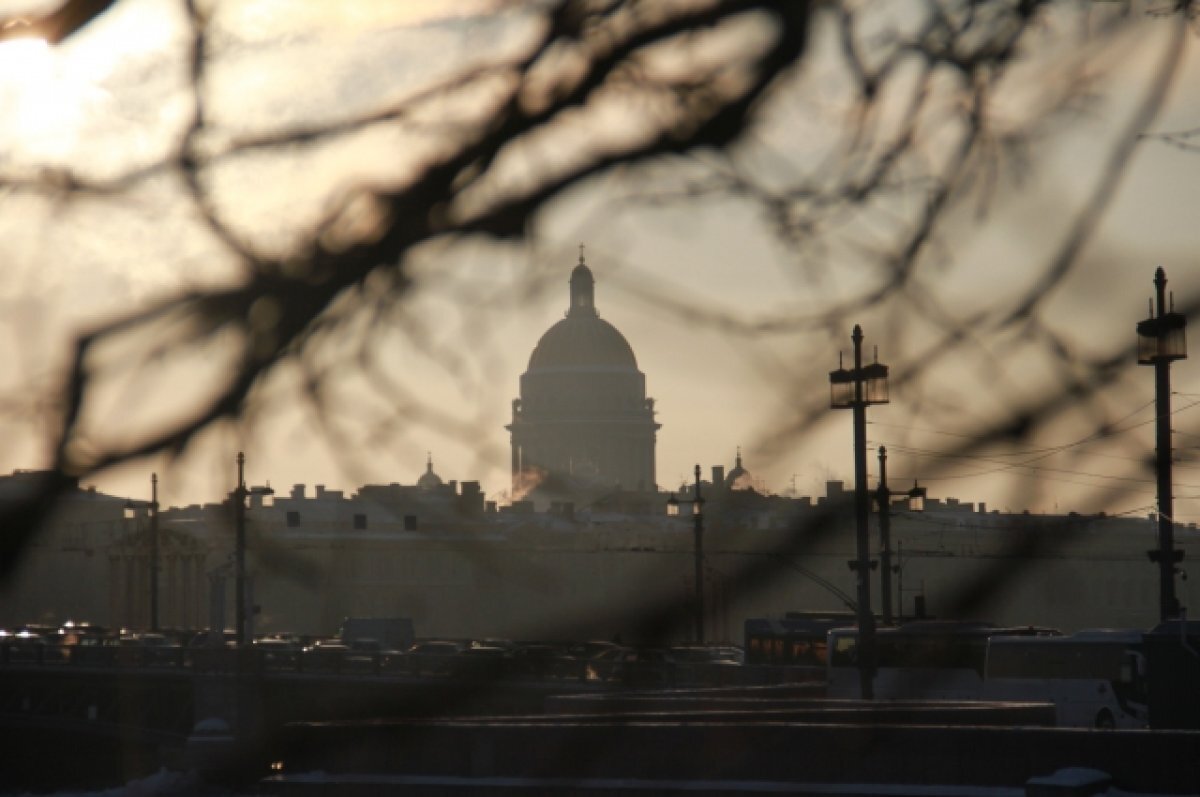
{"x": 916, "y": 498}
{"x": 154, "y": 552}
{"x": 698, "y": 532}
{"x": 1161, "y": 340}
{"x": 854, "y": 389}
{"x": 239, "y": 513}
{"x": 883, "y": 500}
{"x": 152, "y": 507}
{"x": 919, "y": 598}
{"x": 916, "y": 503}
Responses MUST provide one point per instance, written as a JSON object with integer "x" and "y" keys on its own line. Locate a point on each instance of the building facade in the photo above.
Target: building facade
{"x": 461, "y": 567}
{"x": 583, "y": 420}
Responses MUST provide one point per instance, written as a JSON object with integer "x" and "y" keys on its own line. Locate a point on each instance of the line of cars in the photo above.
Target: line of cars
{"x": 448, "y": 658}
{"x": 596, "y": 660}
{"x": 87, "y": 643}
{"x": 81, "y": 643}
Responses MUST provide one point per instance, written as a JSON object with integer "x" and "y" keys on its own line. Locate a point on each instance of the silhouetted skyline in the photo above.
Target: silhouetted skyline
{"x": 725, "y": 315}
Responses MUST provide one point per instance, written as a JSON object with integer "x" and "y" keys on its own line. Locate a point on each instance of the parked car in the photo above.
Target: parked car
{"x": 80, "y": 642}
{"x": 22, "y": 645}
{"x": 481, "y": 660}
{"x": 278, "y": 651}
{"x": 607, "y": 665}
{"x": 148, "y": 649}
{"x": 707, "y": 654}
{"x": 591, "y": 649}
{"x": 213, "y": 639}
{"x": 434, "y": 656}
{"x": 540, "y": 660}
{"x": 324, "y": 655}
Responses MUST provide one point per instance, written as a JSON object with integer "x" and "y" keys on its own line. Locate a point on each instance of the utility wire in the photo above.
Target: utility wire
{"x": 1111, "y": 431}
{"x": 1040, "y": 454}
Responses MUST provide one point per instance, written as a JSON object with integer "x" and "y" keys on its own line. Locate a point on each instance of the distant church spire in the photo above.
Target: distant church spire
{"x": 583, "y": 289}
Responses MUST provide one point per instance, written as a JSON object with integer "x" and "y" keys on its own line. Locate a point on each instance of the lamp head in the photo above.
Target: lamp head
{"x": 916, "y": 498}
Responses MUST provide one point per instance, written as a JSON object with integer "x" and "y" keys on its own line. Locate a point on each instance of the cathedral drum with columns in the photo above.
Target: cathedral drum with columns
{"x": 583, "y": 421}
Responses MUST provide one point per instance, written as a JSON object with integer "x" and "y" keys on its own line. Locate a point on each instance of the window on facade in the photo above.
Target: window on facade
{"x": 360, "y": 521}
{"x": 293, "y": 520}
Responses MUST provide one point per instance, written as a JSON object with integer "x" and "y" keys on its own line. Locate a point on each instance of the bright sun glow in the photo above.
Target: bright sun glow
{"x": 41, "y": 103}
{"x": 49, "y": 93}
{"x": 56, "y": 98}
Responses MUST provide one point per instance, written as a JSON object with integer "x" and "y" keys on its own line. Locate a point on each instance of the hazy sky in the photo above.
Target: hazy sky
{"x": 113, "y": 99}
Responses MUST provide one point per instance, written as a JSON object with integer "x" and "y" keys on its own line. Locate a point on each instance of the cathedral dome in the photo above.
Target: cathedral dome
{"x": 583, "y": 417}
{"x": 582, "y": 340}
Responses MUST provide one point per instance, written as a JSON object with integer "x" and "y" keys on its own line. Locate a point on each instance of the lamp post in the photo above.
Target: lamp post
{"x": 883, "y": 499}
{"x": 239, "y": 517}
{"x": 855, "y": 389}
{"x": 1161, "y": 340}
{"x": 239, "y": 576}
{"x": 151, "y": 507}
{"x": 154, "y": 552}
{"x": 698, "y": 532}
{"x": 916, "y": 503}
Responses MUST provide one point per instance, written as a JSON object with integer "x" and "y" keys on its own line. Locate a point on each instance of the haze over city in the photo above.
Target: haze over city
{"x": 417, "y": 395}
{"x": 725, "y": 314}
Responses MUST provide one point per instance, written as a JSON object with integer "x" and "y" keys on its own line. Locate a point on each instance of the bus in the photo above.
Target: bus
{"x": 1095, "y": 679}
{"x": 797, "y": 639}
{"x": 925, "y": 660}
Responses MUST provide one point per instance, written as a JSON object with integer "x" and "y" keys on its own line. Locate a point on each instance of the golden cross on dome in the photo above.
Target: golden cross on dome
{"x": 581, "y": 254}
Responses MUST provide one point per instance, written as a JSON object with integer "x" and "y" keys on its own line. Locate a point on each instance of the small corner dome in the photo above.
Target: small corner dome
{"x": 429, "y": 480}
{"x": 739, "y": 477}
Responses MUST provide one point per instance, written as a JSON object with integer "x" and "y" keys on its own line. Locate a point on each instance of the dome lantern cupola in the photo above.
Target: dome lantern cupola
{"x": 583, "y": 289}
